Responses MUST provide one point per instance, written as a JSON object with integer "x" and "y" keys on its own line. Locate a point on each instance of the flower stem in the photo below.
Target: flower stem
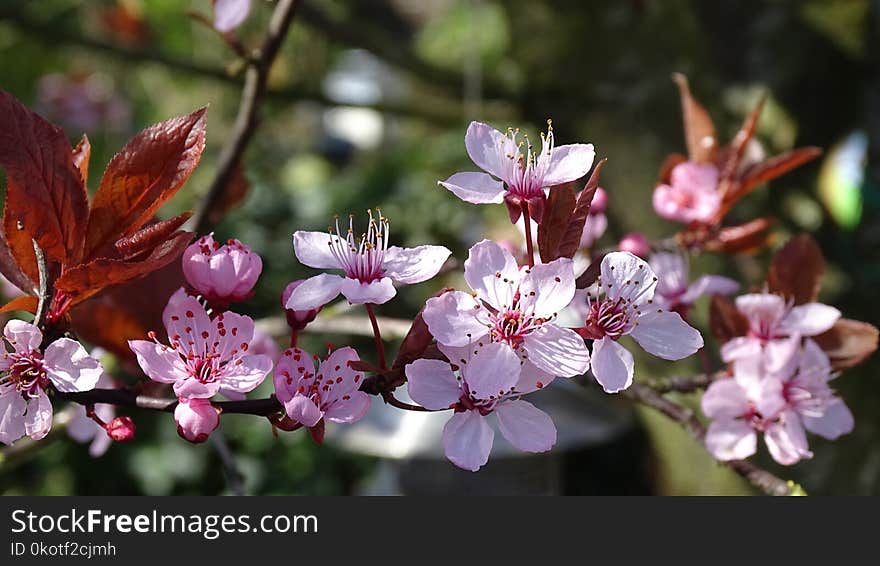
{"x": 527, "y": 222}
{"x": 380, "y": 346}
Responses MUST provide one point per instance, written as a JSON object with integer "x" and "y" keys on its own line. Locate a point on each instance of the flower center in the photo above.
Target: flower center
{"x": 362, "y": 258}
{"x": 608, "y": 318}
{"x": 27, "y": 374}
{"x": 205, "y": 369}
{"x": 526, "y": 169}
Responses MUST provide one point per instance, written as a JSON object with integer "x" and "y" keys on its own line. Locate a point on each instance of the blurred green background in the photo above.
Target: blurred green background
{"x": 368, "y": 106}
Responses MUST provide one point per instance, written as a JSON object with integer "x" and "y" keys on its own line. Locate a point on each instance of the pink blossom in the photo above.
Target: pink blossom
{"x": 120, "y": 429}
{"x": 297, "y": 320}
{"x": 83, "y": 429}
{"x": 675, "y": 292}
{"x": 782, "y": 405}
{"x": 196, "y": 419}
{"x": 692, "y": 195}
{"x": 205, "y": 356}
{"x": 26, "y": 374}
{"x": 635, "y": 243}
{"x": 486, "y": 383}
{"x": 597, "y": 222}
{"x": 229, "y": 14}
{"x": 776, "y": 327}
{"x": 515, "y": 307}
{"x": 515, "y": 177}
{"x": 623, "y": 304}
{"x": 222, "y": 274}
{"x": 331, "y": 391}
{"x": 369, "y": 265}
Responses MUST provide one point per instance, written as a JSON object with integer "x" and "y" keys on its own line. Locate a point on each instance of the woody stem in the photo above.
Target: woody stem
{"x": 527, "y": 222}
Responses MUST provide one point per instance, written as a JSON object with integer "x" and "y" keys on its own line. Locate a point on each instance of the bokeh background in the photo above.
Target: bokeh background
{"x": 368, "y": 106}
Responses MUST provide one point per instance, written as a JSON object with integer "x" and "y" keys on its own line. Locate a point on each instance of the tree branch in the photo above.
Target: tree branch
{"x": 758, "y": 477}
{"x": 246, "y": 122}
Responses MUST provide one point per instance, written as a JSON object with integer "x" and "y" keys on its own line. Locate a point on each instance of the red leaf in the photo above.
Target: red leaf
{"x": 45, "y": 193}
{"x": 848, "y": 343}
{"x": 142, "y": 177}
{"x": 730, "y": 162}
{"x": 147, "y": 238}
{"x": 85, "y": 280}
{"x": 128, "y": 311}
{"x": 21, "y": 249}
{"x": 81, "y": 154}
{"x": 797, "y": 269}
{"x": 725, "y": 320}
{"x": 744, "y": 238}
{"x": 557, "y": 213}
{"x": 591, "y": 274}
{"x": 23, "y": 303}
{"x": 571, "y": 238}
{"x": 10, "y": 269}
{"x": 775, "y": 167}
{"x": 699, "y": 132}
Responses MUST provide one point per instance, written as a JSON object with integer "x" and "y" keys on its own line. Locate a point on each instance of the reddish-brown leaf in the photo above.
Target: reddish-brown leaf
{"x": 797, "y": 269}
{"x": 571, "y": 238}
{"x": 128, "y": 311}
{"x": 848, "y": 343}
{"x": 23, "y": 303}
{"x": 665, "y": 175}
{"x": 81, "y": 155}
{"x": 45, "y": 193}
{"x": 591, "y": 274}
{"x": 416, "y": 340}
{"x": 699, "y": 131}
{"x": 85, "y": 280}
{"x": 10, "y": 268}
{"x": 725, "y": 320}
{"x": 146, "y": 239}
{"x": 557, "y": 213}
{"x": 772, "y": 168}
{"x": 744, "y": 238}
{"x": 142, "y": 177}
{"x": 21, "y": 248}
{"x": 731, "y": 160}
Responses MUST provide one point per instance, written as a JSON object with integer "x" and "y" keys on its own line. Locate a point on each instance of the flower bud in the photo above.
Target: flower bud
{"x": 297, "y": 320}
{"x": 222, "y": 274}
{"x": 120, "y": 429}
{"x": 599, "y": 203}
{"x": 196, "y": 419}
{"x": 635, "y": 243}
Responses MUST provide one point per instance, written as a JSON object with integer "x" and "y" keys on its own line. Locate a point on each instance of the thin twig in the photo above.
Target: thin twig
{"x": 377, "y": 335}
{"x": 762, "y": 479}
{"x": 685, "y": 384}
{"x": 252, "y": 96}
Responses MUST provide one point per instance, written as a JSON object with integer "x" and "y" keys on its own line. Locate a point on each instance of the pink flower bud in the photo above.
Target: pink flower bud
{"x": 297, "y": 320}
{"x": 599, "y": 203}
{"x": 196, "y": 419}
{"x": 222, "y": 274}
{"x": 120, "y": 429}
{"x": 635, "y": 243}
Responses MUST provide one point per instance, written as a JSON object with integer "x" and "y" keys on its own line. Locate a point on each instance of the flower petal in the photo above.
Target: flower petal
{"x": 492, "y": 371}
{"x": 454, "y": 319}
{"x": 12, "y": 409}
{"x": 475, "y": 188}
{"x": 301, "y": 409}
{"x": 627, "y": 276}
{"x": 191, "y": 388}
{"x": 547, "y": 288}
{"x": 558, "y": 351}
{"x": 414, "y": 265}
{"x": 724, "y": 399}
{"x": 739, "y": 348}
{"x": 229, "y": 14}
{"x": 492, "y": 273}
{"x": 293, "y": 366}
{"x": 187, "y": 324}
{"x": 532, "y": 378}
{"x": 347, "y": 411}
{"x": 432, "y": 384}
{"x": 835, "y": 422}
{"x": 38, "y": 417}
{"x": 729, "y": 439}
{"x": 525, "y": 426}
{"x": 612, "y": 365}
{"x": 666, "y": 335}
{"x": 339, "y": 378}
{"x": 376, "y": 293}
{"x": 467, "y": 440}
{"x": 708, "y": 285}
{"x": 23, "y": 336}
{"x": 569, "y": 163}
{"x": 159, "y": 362}
{"x": 196, "y": 419}
{"x": 246, "y": 373}
{"x": 810, "y": 319}
{"x": 314, "y": 292}
{"x": 313, "y": 249}
{"x": 786, "y": 440}
{"x": 70, "y": 367}
{"x": 489, "y": 149}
